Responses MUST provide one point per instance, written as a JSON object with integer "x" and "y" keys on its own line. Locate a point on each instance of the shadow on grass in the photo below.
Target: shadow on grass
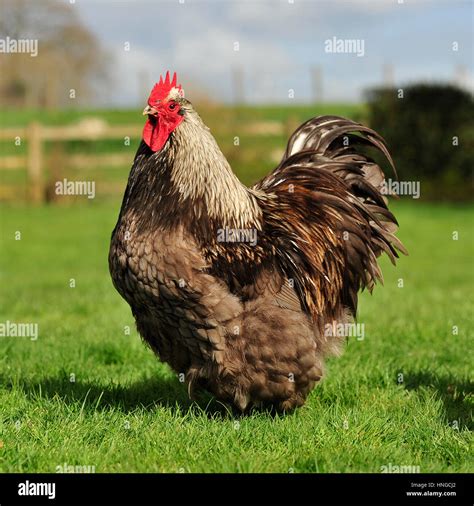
{"x": 453, "y": 392}
{"x": 147, "y": 394}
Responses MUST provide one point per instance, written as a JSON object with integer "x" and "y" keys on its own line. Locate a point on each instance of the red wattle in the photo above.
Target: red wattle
{"x": 155, "y": 135}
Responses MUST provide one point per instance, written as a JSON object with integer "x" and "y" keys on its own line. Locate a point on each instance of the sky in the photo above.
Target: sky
{"x": 282, "y": 45}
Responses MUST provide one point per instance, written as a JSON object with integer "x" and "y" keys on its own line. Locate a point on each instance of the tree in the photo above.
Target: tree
{"x": 429, "y": 129}
{"x": 68, "y": 66}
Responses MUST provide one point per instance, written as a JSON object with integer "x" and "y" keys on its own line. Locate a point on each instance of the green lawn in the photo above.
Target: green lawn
{"x": 401, "y": 396}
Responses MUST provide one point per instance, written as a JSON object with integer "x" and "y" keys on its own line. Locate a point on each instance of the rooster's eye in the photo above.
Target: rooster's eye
{"x": 172, "y": 106}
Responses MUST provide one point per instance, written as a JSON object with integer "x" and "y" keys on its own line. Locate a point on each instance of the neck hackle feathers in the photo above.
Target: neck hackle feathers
{"x": 164, "y": 89}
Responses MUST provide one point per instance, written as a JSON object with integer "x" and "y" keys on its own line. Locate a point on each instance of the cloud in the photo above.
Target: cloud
{"x": 206, "y": 60}
{"x": 279, "y": 44}
{"x": 218, "y": 59}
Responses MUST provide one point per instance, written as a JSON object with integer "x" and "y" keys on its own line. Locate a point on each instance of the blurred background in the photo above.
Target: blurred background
{"x": 71, "y": 105}
{"x": 75, "y": 76}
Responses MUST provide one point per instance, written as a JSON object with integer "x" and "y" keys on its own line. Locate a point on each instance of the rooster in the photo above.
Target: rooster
{"x": 240, "y": 289}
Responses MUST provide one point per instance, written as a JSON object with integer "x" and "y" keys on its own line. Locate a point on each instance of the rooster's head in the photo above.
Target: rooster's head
{"x": 164, "y": 112}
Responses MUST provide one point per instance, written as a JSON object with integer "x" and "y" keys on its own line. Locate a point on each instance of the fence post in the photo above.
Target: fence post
{"x": 34, "y": 167}
{"x": 290, "y": 125}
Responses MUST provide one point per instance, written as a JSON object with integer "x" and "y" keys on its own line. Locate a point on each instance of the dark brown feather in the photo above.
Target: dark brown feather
{"x": 247, "y": 321}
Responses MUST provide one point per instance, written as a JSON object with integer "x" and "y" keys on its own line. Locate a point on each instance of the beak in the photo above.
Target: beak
{"x": 150, "y": 111}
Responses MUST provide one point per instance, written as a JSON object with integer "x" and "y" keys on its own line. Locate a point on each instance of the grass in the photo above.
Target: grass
{"x": 402, "y": 395}
{"x": 22, "y": 117}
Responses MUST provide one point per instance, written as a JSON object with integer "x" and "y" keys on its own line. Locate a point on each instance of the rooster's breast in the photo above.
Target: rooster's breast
{"x": 178, "y": 307}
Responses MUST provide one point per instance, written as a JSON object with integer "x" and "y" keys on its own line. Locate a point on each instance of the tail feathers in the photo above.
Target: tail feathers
{"x": 328, "y": 199}
{"x": 333, "y": 143}
{"x": 339, "y": 140}
{"x": 333, "y": 137}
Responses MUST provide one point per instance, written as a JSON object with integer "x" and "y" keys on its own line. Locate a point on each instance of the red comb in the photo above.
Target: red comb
{"x": 162, "y": 89}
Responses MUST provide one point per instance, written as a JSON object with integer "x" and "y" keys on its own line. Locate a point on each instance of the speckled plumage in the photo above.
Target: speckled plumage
{"x": 246, "y": 321}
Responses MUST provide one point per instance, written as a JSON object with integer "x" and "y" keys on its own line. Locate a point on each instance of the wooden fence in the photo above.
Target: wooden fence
{"x": 36, "y": 134}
